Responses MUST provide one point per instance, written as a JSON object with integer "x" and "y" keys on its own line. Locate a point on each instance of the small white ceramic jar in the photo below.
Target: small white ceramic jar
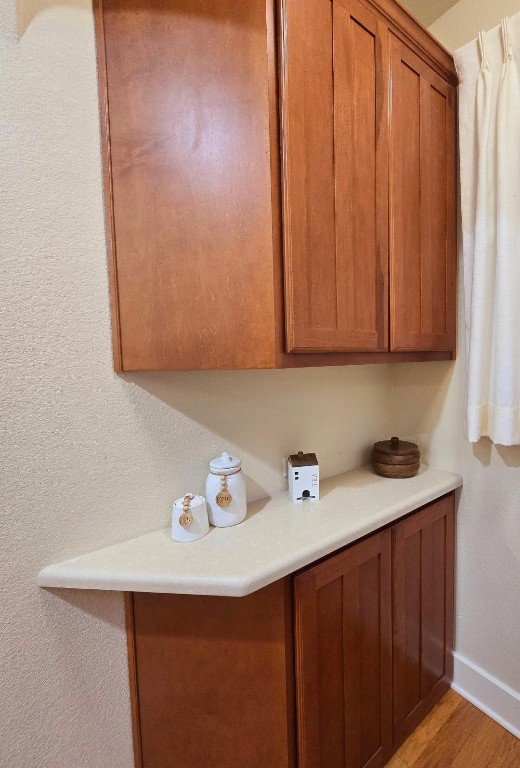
{"x": 189, "y": 518}
{"x": 226, "y": 491}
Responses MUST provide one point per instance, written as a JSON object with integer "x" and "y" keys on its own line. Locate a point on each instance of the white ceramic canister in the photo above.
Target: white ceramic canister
{"x": 189, "y": 518}
{"x": 226, "y": 491}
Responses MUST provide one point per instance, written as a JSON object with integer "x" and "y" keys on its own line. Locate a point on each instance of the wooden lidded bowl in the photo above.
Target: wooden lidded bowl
{"x": 396, "y": 458}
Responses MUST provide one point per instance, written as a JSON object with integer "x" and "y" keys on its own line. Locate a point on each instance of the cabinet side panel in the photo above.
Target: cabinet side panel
{"x": 190, "y": 149}
{"x": 132, "y": 677}
{"x": 213, "y": 680}
{"x": 107, "y": 183}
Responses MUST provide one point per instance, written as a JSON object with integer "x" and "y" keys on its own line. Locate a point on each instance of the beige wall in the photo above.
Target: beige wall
{"x": 463, "y": 22}
{"x": 89, "y": 457}
{"x": 429, "y": 403}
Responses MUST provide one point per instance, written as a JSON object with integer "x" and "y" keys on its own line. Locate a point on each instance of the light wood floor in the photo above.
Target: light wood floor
{"x": 458, "y": 735}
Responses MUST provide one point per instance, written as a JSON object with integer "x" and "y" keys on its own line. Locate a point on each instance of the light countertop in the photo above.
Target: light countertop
{"x": 277, "y": 538}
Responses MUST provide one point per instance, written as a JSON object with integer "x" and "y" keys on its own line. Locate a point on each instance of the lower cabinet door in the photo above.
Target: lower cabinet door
{"x": 423, "y": 578}
{"x": 343, "y": 649}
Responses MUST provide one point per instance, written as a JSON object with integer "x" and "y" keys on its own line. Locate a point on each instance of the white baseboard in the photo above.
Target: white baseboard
{"x": 487, "y": 693}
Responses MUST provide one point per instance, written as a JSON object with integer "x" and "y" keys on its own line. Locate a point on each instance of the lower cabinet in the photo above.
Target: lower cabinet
{"x": 423, "y": 574}
{"x": 343, "y": 610}
{"x": 331, "y": 668}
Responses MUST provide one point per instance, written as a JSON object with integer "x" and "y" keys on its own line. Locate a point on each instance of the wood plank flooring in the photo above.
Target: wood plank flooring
{"x": 458, "y": 735}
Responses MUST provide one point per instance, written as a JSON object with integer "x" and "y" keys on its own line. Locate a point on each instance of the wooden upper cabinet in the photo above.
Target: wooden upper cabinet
{"x": 266, "y": 205}
{"x": 343, "y": 643}
{"x": 335, "y": 175}
{"x": 422, "y": 205}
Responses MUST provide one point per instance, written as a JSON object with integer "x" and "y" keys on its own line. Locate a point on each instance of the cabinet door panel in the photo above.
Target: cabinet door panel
{"x": 423, "y": 562}
{"x": 343, "y": 658}
{"x": 335, "y": 153}
{"x": 422, "y": 206}
{"x": 192, "y": 220}
{"x": 213, "y": 679}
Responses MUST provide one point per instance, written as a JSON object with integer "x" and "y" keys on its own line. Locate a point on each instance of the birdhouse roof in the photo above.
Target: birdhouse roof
{"x": 301, "y": 459}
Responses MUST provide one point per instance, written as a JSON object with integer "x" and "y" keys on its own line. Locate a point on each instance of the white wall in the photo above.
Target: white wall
{"x": 89, "y": 457}
{"x": 429, "y": 404}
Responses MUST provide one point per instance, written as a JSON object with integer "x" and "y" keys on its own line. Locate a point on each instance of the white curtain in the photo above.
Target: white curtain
{"x": 489, "y": 136}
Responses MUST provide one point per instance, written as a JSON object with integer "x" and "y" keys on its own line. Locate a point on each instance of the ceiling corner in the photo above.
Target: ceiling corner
{"x": 428, "y": 11}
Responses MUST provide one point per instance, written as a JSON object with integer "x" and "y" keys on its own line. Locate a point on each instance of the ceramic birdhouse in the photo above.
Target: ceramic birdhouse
{"x": 304, "y": 477}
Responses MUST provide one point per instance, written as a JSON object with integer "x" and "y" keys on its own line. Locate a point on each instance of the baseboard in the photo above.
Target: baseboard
{"x": 487, "y": 693}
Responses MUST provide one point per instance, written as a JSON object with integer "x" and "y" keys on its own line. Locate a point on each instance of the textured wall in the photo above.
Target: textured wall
{"x": 87, "y": 457}
{"x": 463, "y": 22}
{"x": 428, "y": 10}
{"x": 429, "y": 403}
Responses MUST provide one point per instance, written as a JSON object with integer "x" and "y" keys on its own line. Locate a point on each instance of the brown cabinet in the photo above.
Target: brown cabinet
{"x": 335, "y": 156}
{"x": 422, "y": 205}
{"x": 358, "y": 164}
{"x": 366, "y": 678}
{"x": 212, "y": 680}
{"x": 423, "y": 572}
{"x": 266, "y": 205}
{"x": 331, "y": 668}
{"x": 343, "y": 615}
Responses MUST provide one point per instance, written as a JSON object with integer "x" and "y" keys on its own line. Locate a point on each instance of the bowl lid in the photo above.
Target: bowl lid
{"x": 396, "y": 447}
{"x": 225, "y": 461}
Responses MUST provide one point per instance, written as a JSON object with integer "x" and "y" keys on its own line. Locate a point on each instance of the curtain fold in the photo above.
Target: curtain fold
{"x": 489, "y": 138}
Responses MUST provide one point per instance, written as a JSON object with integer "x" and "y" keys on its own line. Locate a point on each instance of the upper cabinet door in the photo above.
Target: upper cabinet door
{"x": 422, "y": 205}
{"x": 335, "y": 175}
{"x": 188, "y": 187}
